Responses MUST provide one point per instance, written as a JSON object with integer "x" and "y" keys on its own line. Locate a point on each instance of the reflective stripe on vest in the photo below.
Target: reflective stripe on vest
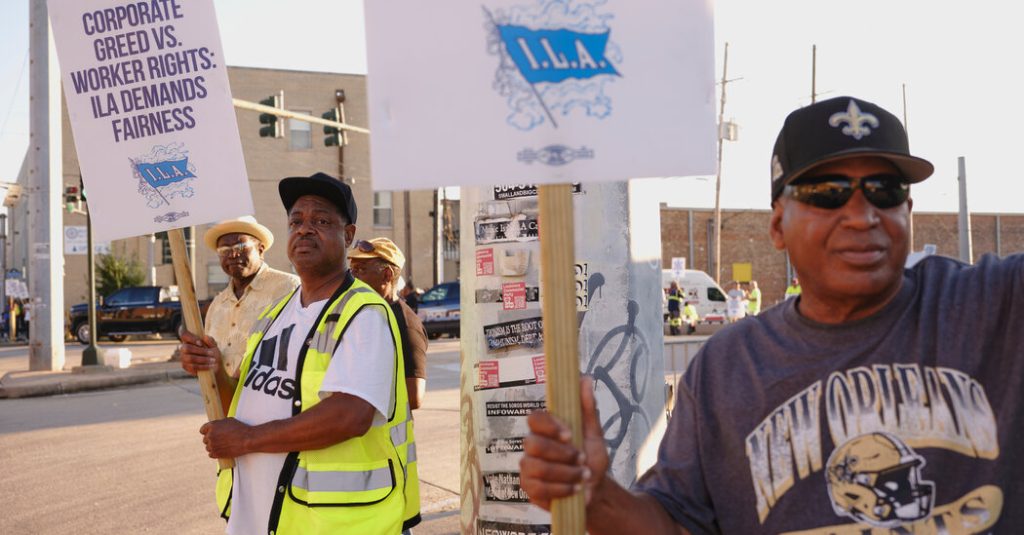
{"x": 336, "y": 481}
{"x": 323, "y": 341}
{"x": 410, "y": 456}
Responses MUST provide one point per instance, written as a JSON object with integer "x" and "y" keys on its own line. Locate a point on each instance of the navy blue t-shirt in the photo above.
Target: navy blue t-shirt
{"x": 906, "y": 421}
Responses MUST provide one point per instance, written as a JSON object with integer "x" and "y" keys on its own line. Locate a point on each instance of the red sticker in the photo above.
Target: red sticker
{"x": 539, "y": 371}
{"x": 485, "y": 262}
{"x": 488, "y": 376}
{"x": 513, "y": 295}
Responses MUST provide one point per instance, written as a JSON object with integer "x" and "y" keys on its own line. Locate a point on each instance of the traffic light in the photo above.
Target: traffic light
{"x": 72, "y": 199}
{"x": 272, "y": 124}
{"x": 333, "y": 135}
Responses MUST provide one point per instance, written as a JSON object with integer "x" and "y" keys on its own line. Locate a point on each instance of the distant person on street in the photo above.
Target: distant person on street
{"x": 735, "y": 304}
{"x": 27, "y": 314}
{"x": 753, "y": 299}
{"x": 411, "y": 294}
{"x": 690, "y": 317}
{"x": 318, "y": 418}
{"x": 675, "y": 308}
{"x": 378, "y": 263}
{"x": 252, "y": 285}
{"x": 793, "y": 289}
{"x": 882, "y": 400}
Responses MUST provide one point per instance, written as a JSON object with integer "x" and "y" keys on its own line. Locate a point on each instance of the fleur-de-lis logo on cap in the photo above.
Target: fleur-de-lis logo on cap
{"x": 859, "y": 124}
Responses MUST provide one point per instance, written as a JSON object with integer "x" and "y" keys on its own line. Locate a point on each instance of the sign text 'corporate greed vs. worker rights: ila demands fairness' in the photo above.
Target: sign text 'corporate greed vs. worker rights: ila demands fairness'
{"x": 149, "y": 100}
{"x": 140, "y": 44}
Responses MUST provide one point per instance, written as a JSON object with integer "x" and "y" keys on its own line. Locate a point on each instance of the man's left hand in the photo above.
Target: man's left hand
{"x": 225, "y": 439}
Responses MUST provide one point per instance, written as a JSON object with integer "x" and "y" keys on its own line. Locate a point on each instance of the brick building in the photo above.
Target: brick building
{"x": 406, "y": 217}
{"x": 688, "y": 233}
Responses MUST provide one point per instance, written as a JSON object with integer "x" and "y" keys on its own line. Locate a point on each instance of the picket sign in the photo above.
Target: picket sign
{"x": 561, "y": 333}
{"x": 194, "y": 323}
{"x": 546, "y": 92}
{"x": 149, "y": 102}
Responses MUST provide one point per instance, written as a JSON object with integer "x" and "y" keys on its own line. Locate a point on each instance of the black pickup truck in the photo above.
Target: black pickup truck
{"x": 132, "y": 310}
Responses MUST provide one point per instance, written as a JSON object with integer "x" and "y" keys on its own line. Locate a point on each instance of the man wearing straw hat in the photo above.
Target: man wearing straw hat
{"x": 879, "y": 400}
{"x": 240, "y": 245}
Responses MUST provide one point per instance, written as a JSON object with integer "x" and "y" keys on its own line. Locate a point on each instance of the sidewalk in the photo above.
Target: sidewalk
{"x": 149, "y": 362}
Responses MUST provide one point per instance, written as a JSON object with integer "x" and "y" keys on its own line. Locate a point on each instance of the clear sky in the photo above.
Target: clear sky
{"x": 958, "y": 60}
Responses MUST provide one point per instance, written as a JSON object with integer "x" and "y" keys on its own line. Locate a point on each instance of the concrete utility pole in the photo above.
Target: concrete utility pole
{"x": 966, "y": 252}
{"x": 718, "y": 174}
{"x": 814, "y": 73}
{"x": 45, "y": 177}
{"x": 438, "y": 236}
{"x": 906, "y": 126}
{"x": 3, "y": 259}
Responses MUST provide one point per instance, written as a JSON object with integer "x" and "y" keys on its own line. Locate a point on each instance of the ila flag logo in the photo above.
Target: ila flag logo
{"x": 163, "y": 174}
{"x": 556, "y": 57}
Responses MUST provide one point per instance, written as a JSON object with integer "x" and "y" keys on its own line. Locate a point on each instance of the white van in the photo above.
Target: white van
{"x": 700, "y": 289}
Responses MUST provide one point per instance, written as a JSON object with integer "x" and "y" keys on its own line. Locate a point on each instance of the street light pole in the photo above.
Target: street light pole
{"x": 90, "y": 356}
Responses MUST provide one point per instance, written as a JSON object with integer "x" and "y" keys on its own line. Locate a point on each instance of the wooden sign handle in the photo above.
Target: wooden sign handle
{"x": 194, "y": 323}
{"x": 561, "y": 353}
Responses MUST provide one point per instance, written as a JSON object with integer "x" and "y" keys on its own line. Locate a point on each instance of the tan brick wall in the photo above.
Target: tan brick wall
{"x": 267, "y": 160}
{"x": 745, "y": 239}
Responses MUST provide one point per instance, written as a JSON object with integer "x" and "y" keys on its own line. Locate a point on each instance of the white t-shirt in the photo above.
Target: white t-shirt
{"x": 735, "y": 306}
{"x": 362, "y": 366}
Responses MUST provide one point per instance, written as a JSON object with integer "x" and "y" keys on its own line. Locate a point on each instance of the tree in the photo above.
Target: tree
{"x": 114, "y": 272}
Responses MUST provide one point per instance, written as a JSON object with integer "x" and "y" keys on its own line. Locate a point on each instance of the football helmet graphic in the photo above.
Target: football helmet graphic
{"x": 876, "y": 479}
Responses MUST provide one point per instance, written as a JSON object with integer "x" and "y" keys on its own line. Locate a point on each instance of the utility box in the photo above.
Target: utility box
{"x": 117, "y": 358}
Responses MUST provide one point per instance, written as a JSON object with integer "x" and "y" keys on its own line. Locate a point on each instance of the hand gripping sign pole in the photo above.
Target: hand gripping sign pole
{"x": 194, "y": 323}
{"x": 561, "y": 355}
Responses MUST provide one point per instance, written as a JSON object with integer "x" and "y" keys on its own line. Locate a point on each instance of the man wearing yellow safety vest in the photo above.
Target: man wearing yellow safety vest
{"x": 753, "y": 299}
{"x": 675, "y": 305}
{"x": 690, "y": 317}
{"x": 318, "y": 415}
{"x": 793, "y": 289}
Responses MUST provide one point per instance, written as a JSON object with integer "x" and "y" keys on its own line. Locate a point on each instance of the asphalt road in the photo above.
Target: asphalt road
{"x": 131, "y": 460}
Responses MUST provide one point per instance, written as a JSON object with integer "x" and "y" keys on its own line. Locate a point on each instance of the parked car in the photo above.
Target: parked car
{"x": 136, "y": 310}
{"x": 440, "y": 311}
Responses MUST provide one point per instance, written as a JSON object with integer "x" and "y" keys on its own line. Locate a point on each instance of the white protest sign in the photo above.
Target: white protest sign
{"x": 147, "y": 92}
{"x": 76, "y": 241}
{"x": 539, "y": 91}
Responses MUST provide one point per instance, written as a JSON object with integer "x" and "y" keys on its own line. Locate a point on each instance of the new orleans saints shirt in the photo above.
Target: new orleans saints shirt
{"x": 903, "y": 422}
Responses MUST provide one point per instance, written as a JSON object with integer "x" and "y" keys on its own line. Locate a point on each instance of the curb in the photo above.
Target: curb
{"x": 71, "y": 383}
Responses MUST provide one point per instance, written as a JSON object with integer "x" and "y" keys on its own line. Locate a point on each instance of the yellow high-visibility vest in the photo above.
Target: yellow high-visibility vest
{"x": 366, "y": 484}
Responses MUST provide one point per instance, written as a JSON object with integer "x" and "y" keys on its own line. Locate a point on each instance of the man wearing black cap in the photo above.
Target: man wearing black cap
{"x": 318, "y": 415}
{"x": 870, "y": 403}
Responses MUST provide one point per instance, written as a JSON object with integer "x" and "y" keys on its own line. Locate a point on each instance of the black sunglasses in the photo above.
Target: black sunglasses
{"x": 884, "y": 190}
{"x": 364, "y": 246}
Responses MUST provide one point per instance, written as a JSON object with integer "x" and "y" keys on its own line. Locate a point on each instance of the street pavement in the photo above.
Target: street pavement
{"x": 118, "y": 450}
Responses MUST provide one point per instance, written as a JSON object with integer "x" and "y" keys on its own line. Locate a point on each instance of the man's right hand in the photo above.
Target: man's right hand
{"x": 551, "y": 467}
{"x": 198, "y": 354}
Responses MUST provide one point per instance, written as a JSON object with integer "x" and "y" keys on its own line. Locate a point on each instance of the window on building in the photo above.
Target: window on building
{"x": 165, "y": 255}
{"x": 382, "y": 208}
{"x": 216, "y": 279}
{"x": 300, "y": 133}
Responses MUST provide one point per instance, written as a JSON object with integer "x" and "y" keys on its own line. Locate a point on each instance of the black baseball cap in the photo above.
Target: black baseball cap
{"x": 321, "y": 185}
{"x": 840, "y": 128}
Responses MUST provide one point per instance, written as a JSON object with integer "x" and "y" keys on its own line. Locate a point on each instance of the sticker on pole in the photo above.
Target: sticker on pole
{"x": 147, "y": 92}
{"x": 543, "y": 91}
